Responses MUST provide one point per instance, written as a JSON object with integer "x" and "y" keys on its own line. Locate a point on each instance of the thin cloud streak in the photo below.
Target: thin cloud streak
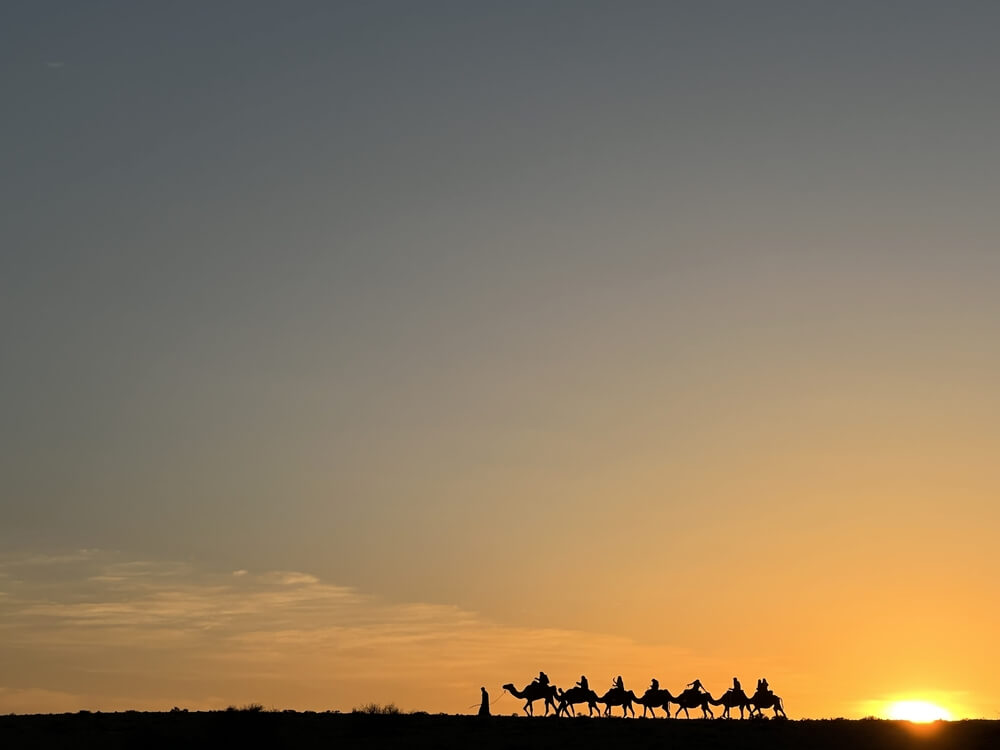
{"x": 41, "y": 560}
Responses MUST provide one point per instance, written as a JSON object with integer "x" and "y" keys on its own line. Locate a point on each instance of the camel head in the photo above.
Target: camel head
{"x": 509, "y": 687}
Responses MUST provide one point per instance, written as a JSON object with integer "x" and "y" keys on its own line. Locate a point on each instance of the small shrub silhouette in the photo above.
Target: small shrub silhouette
{"x": 374, "y": 709}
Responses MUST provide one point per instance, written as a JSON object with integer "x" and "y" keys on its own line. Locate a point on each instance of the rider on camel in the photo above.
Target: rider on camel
{"x": 737, "y": 688}
{"x": 542, "y": 679}
{"x": 618, "y": 684}
{"x": 654, "y": 684}
{"x": 583, "y": 684}
{"x": 695, "y": 687}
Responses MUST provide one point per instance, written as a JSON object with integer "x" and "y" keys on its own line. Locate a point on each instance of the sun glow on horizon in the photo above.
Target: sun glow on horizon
{"x": 918, "y": 711}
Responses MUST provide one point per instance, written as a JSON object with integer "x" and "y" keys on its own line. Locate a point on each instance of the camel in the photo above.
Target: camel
{"x": 694, "y": 699}
{"x": 733, "y": 699}
{"x": 618, "y": 697}
{"x": 532, "y": 693}
{"x": 767, "y": 700}
{"x": 654, "y": 699}
{"x": 577, "y": 695}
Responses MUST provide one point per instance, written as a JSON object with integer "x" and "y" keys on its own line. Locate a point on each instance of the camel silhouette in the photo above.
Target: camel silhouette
{"x": 733, "y": 699}
{"x": 577, "y": 695}
{"x": 693, "y": 698}
{"x": 532, "y": 693}
{"x": 760, "y": 701}
{"x": 653, "y": 699}
{"x": 618, "y": 697}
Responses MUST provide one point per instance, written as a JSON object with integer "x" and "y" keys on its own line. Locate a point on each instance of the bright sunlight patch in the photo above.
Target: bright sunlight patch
{"x": 918, "y": 711}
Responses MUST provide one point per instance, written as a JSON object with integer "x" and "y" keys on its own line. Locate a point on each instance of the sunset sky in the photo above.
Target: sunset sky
{"x": 378, "y": 351}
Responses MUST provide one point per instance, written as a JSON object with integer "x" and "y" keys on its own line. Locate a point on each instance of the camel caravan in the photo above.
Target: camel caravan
{"x": 694, "y": 696}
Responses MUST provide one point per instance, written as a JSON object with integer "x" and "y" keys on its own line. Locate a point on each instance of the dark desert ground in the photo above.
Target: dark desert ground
{"x": 308, "y": 730}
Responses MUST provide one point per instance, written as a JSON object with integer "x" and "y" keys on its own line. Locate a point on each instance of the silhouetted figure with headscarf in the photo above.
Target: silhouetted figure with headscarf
{"x": 583, "y": 682}
{"x": 542, "y": 679}
{"x": 484, "y": 707}
{"x": 618, "y": 684}
{"x": 762, "y": 689}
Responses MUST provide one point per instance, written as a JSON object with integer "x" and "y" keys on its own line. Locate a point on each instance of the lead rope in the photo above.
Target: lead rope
{"x": 502, "y": 695}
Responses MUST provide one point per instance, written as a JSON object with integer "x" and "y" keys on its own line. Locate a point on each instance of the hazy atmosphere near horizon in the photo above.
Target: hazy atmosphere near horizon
{"x": 380, "y": 351}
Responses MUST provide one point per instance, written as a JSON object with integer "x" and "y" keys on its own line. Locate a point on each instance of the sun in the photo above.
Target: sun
{"x": 918, "y": 711}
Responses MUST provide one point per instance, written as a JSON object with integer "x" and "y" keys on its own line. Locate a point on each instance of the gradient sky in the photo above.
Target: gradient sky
{"x": 380, "y": 351}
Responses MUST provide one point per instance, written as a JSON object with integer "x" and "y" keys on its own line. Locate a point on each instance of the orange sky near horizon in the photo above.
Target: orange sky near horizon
{"x": 149, "y": 636}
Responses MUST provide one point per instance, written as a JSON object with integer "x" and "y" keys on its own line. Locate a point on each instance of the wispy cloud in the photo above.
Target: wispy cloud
{"x": 43, "y": 560}
{"x": 287, "y": 578}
